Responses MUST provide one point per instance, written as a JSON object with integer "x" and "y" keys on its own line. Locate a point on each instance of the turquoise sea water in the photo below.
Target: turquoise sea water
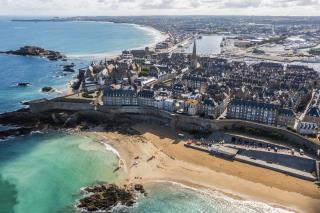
{"x": 173, "y": 197}
{"x": 42, "y": 173}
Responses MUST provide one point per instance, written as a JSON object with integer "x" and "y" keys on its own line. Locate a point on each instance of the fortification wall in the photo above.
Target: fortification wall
{"x": 43, "y": 106}
{"x": 189, "y": 123}
{"x": 183, "y": 122}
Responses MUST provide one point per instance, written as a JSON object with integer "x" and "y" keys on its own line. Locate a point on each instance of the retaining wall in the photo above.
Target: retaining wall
{"x": 183, "y": 122}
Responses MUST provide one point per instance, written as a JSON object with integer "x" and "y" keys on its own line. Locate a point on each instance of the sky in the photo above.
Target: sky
{"x": 159, "y": 7}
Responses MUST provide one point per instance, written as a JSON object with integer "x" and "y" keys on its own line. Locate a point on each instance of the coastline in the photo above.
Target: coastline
{"x": 172, "y": 163}
{"x": 157, "y": 36}
{"x": 201, "y": 171}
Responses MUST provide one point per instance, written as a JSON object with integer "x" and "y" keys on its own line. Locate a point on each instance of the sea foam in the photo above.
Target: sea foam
{"x": 245, "y": 205}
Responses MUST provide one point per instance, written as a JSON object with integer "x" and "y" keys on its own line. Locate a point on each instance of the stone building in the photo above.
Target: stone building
{"x": 313, "y": 115}
{"x": 119, "y": 97}
{"x": 209, "y": 108}
{"x": 196, "y": 82}
{"x": 253, "y": 111}
{"x": 146, "y": 98}
{"x": 286, "y": 117}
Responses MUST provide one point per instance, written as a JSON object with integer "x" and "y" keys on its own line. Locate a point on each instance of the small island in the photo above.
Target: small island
{"x": 37, "y": 51}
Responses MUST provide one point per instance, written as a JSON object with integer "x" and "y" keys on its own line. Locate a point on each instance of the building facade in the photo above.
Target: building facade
{"x": 253, "y": 111}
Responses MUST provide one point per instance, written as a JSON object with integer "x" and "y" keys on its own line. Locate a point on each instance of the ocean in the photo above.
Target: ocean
{"x": 44, "y": 172}
{"x": 82, "y": 42}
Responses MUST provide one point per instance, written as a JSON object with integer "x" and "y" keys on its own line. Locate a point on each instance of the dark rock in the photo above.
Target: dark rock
{"x": 139, "y": 188}
{"x": 15, "y": 132}
{"x": 24, "y": 102}
{"x": 69, "y": 65}
{"x": 68, "y": 69}
{"x": 23, "y": 84}
{"x": 47, "y": 89}
{"x": 105, "y": 197}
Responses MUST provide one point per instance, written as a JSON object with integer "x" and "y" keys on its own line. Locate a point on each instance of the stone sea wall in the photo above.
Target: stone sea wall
{"x": 183, "y": 122}
{"x": 56, "y": 104}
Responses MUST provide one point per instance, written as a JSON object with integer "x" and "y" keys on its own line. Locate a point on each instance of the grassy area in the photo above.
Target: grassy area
{"x": 144, "y": 72}
{"x": 88, "y": 95}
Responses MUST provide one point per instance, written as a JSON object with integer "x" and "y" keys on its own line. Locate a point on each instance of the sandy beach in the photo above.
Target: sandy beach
{"x": 158, "y": 154}
{"x": 157, "y": 37}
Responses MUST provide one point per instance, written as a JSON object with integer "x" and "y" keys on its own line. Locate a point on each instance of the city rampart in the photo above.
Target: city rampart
{"x": 183, "y": 122}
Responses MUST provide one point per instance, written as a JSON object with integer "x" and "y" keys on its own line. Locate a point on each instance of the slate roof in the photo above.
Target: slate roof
{"x": 146, "y": 94}
{"x": 178, "y": 87}
{"x": 119, "y": 92}
{"x": 195, "y": 78}
{"x": 287, "y": 112}
{"x": 307, "y": 125}
{"x": 314, "y": 111}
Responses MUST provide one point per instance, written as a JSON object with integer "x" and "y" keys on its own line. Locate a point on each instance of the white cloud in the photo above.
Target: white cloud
{"x": 153, "y": 7}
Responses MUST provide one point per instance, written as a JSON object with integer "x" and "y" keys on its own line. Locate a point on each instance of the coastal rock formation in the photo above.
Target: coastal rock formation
{"x": 105, "y": 197}
{"x": 69, "y": 67}
{"x": 15, "y": 132}
{"x": 63, "y": 119}
{"x": 23, "y": 84}
{"x": 37, "y": 51}
{"x": 47, "y": 89}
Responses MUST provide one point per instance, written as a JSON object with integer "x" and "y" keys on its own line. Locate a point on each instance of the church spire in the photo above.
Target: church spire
{"x": 194, "y": 61}
{"x": 194, "y": 51}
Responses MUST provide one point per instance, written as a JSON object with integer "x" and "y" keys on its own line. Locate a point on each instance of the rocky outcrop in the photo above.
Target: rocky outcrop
{"x": 15, "y": 132}
{"x": 47, "y": 89}
{"x": 37, "y": 51}
{"x": 69, "y": 67}
{"x": 54, "y": 119}
{"x": 23, "y": 84}
{"x": 104, "y": 197}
